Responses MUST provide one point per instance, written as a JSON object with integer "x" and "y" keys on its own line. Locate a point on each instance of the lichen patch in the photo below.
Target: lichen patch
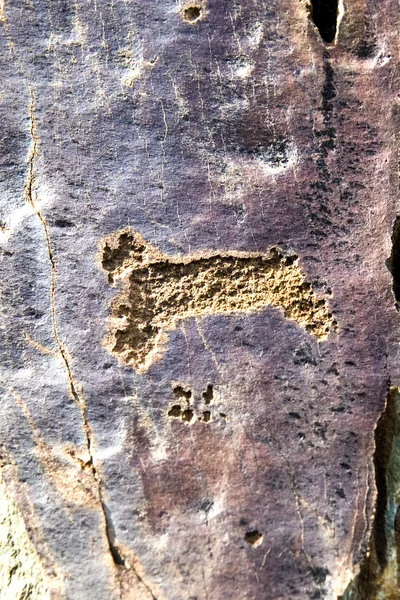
{"x": 157, "y": 291}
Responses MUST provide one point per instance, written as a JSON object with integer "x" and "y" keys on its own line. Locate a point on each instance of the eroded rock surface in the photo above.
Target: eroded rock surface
{"x": 216, "y": 445}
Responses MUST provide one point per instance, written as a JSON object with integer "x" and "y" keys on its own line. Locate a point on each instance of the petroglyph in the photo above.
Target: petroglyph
{"x": 157, "y": 291}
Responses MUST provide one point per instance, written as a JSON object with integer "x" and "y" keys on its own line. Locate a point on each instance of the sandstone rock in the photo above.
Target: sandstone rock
{"x": 200, "y": 266}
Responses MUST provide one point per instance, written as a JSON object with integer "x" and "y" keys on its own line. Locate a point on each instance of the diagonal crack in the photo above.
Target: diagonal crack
{"x": 30, "y": 196}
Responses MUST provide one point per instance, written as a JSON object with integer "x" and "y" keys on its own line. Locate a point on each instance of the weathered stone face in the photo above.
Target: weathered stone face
{"x": 239, "y": 464}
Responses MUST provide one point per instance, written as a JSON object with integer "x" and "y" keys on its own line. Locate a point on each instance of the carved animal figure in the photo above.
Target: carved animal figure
{"x": 158, "y": 291}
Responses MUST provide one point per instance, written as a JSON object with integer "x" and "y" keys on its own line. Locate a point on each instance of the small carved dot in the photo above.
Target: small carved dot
{"x": 187, "y": 415}
{"x": 175, "y": 411}
{"x": 192, "y": 14}
{"x": 182, "y": 394}
{"x": 254, "y": 538}
{"x": 208, "y": 395}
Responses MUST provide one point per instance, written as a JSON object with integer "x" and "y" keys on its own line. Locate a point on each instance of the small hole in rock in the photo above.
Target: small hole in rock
{"x": 324, "y": 13}
{"x": 208, "y": 395}
{"x": 175, "y": 411}
{"x": 223, "y": 416}
{"x": 206, "y": 416}
{"x": 254, "y": 538}
{"x": 187, "y": 415}
{"x": 192, "y": 14}
{"x": 206, "y": 505}
{"x": 180, "y": 393}
{"x": 294, "y": 415}
{"x": 63, "y": 223}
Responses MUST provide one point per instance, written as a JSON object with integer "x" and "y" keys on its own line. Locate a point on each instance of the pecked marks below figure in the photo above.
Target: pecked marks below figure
{"x": 157, "y": 291}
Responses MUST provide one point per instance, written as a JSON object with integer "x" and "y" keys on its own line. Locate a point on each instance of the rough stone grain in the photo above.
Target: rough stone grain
{"x": 239, "y": 465}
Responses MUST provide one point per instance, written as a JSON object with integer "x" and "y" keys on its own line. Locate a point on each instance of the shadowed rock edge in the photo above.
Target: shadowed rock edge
{"x": 379, "y": 574}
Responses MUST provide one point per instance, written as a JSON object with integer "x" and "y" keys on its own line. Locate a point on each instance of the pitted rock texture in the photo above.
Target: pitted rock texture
{"x": 240, "y": 463}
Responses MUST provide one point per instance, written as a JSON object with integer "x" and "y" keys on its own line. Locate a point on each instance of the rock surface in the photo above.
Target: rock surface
{"x": 239, "y": 463}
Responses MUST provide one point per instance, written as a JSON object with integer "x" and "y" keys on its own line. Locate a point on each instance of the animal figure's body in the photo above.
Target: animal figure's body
{"x": 160, "y": 290}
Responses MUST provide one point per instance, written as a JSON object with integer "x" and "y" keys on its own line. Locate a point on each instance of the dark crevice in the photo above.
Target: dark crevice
{"x": 110, "y": 534}
{"x": 116, "y": 553}
{"x": 328, "y": 95}
{"x": 379, "y": 569}
{"x": 384, "y": 435}
{"x": 76, "y": 395}
{"x": 397, "y": 541}
{"x": 324, "y": 13}
{"x": 116, "y": 556}
{"x": 393, "y": 262}
{"x": 109, "y": 528}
